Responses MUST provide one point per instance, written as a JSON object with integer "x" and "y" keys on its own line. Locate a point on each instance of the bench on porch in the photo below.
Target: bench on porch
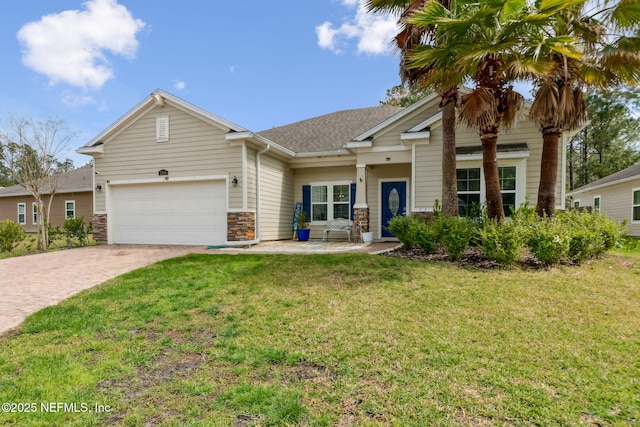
{"x": 340, "y": 224}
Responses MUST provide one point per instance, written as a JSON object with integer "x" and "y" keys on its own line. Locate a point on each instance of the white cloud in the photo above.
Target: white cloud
{"x": 73, "y": 100}
{"x": 373, "y": 32}
{"x": 70, "y": 46}
{"x": 179, "y": 85}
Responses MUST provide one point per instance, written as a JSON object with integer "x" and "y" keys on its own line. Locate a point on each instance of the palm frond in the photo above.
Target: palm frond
{"x": 512, "y": 108}
{"x": 545, "y": 104}
{"x": 478, "y": 109}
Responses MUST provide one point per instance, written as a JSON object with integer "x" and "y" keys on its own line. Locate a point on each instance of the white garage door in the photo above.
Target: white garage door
{"x": 172, "y": 213}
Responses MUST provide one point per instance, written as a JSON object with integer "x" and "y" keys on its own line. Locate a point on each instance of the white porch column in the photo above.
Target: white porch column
{"x": 361, "y": 187}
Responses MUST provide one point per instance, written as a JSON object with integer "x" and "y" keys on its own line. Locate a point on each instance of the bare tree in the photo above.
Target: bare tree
{"x": 31, "y": 151}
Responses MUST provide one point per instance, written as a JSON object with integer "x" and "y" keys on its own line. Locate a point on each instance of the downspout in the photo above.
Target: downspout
{"x": 258, "y": 154}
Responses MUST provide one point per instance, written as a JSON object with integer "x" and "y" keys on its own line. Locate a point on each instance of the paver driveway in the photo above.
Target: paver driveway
{"x": 30, "y": 283}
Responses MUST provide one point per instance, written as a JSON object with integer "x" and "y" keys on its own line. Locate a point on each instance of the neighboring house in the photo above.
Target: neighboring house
{"x": 73, "y": 198}
{"x": 168, "y": 172}
{"x": 616, "y": 195}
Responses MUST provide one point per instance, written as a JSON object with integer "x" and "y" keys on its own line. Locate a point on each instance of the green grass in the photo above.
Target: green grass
{"x": 273, "y": 340}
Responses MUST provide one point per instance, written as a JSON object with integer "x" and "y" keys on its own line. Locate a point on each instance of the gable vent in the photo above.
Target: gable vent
{"x": 162, "y": 129}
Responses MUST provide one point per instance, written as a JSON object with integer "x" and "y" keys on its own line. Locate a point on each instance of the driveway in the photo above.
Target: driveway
{"x": 30, "y": 283}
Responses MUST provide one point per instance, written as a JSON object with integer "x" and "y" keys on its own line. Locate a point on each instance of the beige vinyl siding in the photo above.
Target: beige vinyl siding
{"x": 331, "y": 174}
{"x": 195, "y": 148}
{"x": 276, "y": 199}
{"x": 251, "y": 179}
{"x": 428, "y": 168}
{"x": 616, "y": 202}
{"x": 391, "y": 135}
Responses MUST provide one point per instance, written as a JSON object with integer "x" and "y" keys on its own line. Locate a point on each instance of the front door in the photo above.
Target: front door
{"x": 394, "y": 203}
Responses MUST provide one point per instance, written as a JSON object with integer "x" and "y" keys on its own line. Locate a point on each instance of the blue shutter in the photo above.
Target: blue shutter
{"x": 352, "y": 200}
{"x": 306, "y": 201}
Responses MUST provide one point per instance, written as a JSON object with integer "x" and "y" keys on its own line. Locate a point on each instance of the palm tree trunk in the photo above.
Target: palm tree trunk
{"x": 491, "y": 176}
{"x": 449, "y": 178}
{"x": 548, "y": 174}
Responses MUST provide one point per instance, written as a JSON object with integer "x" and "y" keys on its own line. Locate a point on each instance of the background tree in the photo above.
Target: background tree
{"x": 403, "y": 95}
{"x": 409, "y": 37}
{"x": 610, "y": 142}
{"x": 608, "y": 56}
{"x": 31, "y": 152}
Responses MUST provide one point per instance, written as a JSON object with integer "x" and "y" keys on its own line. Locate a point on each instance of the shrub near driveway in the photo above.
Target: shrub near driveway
{"x": 328, "y": 340}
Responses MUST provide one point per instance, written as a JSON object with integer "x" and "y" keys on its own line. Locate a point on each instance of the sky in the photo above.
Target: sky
{"x": 255, "y": 63}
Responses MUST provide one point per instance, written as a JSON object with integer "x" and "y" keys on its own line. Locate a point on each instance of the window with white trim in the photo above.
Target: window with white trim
{"x": 470, "y": 188}
{"x": 162, "y": 129}
{"x": 636, "y": 204}
{"x": 34, "y": 212}
{"x": 330, "y": 201}
{"x": 507, "y": 176}
{"x": 70, "y": 209}
{"x": 22, "y": 213}
{"x": 596, "y": 204}
{"x": 576, "y": 204}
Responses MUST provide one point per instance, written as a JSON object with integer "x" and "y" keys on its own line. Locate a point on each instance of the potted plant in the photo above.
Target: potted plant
{"x": 303, "y": 226}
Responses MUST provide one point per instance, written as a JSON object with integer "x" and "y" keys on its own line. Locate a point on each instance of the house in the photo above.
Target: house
{"x": 617, "y": 195}
{"x": 73, "y": 198}
{"x": 169, "y": 172}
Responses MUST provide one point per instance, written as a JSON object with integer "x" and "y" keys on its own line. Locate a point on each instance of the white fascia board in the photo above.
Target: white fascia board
{"x": 607, "y": 184}
{"x": 358, "y": 144}
{"x": 430, "y": 122}
{"x": 412, "y": 136}
{"x": 250, "y": 136}
{"x": 91, "y": 150}
{"x": 323, "y": 154}
{"x": 216, "y": 120}
{"x": 157, "y": 98}
{"x": 500, "y": 156}
{"x": 397, "y": 116}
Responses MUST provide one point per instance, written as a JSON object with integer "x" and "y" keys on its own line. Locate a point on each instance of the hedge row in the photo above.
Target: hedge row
{"x": 569, "y": 237}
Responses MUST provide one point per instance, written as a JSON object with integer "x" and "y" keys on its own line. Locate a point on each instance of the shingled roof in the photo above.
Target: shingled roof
{"x": 73, "y": 181}
{"x": 630, "y": 172}
{"x": 329, "y": 132}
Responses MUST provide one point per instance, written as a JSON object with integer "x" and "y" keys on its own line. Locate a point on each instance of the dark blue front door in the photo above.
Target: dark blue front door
{"x": 394, "y": 203}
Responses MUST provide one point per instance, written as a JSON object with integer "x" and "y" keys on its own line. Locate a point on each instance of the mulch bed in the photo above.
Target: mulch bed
{"x": 471, "y": 257}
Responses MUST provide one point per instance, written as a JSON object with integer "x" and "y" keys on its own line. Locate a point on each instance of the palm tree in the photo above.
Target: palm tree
{"x": 406, "y": 40}
{"x": 607, "y": 60}
{"x": 486, "y": 42}
{"x": 465, "y": 34}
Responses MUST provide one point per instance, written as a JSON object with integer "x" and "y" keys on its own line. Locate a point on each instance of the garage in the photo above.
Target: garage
{"x": 169, "y": 213}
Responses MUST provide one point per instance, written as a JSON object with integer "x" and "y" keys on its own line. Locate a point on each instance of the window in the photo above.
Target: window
{"x": 576, "y": 204}
{"x": 330, "y": 201}
{"x": 636, "y": 204}
{"x": 22, "y": 213}
{"x": 468, "y": 189}
{"x": 162, "y": 129}
{"x": 596, "y": 204}
{"x": 34, "y": 212}
{"x": 70, "y": 209}
{"x": 507, "y": 177}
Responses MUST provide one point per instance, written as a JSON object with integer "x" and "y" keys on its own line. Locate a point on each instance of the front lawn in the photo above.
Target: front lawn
{"x": 241, "y": 340}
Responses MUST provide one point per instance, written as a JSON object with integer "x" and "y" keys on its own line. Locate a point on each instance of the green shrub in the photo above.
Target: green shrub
{"x": 75, "y": 228}
{"x": 549, "y": 241}
{"x": 502, "y": 241}
{"x": 407, "y": 229}
{"x": 11, "y": 234}
{"x": 454, "y": 233}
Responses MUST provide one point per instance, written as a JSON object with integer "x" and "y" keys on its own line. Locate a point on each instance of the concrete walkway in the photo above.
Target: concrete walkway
{"x": 30, "y": 283}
